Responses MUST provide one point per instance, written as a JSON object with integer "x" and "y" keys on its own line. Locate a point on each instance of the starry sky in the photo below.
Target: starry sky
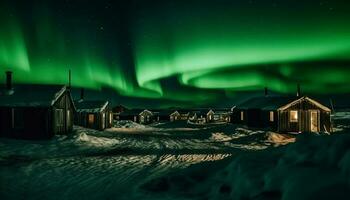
{"x": 173, "y": 53}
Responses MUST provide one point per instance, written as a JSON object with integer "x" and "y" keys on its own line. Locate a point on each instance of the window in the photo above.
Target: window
{"x": 293, "y": 116}
{"x": 68, "y": 117}
{"x": 272, "y": 116}
{"x": 242, "y": 115}
{"x": 91, "y": 118}
{"x": 110, "y": 118}
{"x": 59, "y": 117}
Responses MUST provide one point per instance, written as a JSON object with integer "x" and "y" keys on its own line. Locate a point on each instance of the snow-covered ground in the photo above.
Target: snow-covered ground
{"x": 171, "y": 160}
{"x": 313, "y": 167}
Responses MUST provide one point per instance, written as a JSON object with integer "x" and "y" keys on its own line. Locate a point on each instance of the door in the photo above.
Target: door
{"x": 103, "y": 121}
{"x": 314, "y": 121}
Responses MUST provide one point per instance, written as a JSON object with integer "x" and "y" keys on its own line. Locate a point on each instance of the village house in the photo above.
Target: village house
{"x": 284, "y": 114}
{"x": 131, "y": 115}
{"x": 116, "y": 110}
{"x": 35, "y": 111}
{"x": 94, "y": 114}
{"x": 137, "y": 115}
{"x": 146, "y": 117}
{"x": 222, "y": 115}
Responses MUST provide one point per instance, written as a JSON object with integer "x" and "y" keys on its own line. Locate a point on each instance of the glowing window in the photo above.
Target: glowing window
{"x": 242, "y": 115}
{"x": 293, "y": 116}
{"x": 271, "y": 116}
{"x": 91, "y": 118}
{"x": 110, "y": 118}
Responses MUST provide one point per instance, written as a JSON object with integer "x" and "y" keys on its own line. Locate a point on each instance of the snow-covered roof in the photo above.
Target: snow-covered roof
{"x": 146, "y": 112}
{"x": 91, "y": 106}
{"x": 267, "y": 102}
{"x": 31, "y": 95}
{"x": 305, "y": 99}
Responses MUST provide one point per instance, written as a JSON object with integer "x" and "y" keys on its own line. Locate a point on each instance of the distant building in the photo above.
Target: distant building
{"x": 132, "y": 115}
{"x": 137, "y": 115}
{"x": 94, "y": 114}
{"x": 284, "y": 114}
{"x": 221, "y": 115}
{"x": 34, "y": 111}
{"x": 146, "y": 117}
{"x": 162, "y": 115}
{"x": 119, "y": 109}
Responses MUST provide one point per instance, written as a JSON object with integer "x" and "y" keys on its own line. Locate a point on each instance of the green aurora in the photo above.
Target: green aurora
{"x": 181, "y": 51}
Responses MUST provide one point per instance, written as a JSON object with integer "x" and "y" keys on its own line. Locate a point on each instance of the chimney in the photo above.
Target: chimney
{"x": 298, "y": 90}
{"x": 8, "y": 80}
{"x": 266, "y": 92}
{"x": 81, "y": 94}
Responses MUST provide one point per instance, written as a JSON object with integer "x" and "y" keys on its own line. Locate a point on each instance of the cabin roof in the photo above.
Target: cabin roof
{"x": 163, "y": 112}
{"x": 132, "y": 112}
{"x": 277, "y": 103}
{"x": 91, "y": 106}
{"x": 305, "y": 99}
{"x": 31, "y": 95}
{"x": 146, "y": 112}
{"x": 267, "y": 102}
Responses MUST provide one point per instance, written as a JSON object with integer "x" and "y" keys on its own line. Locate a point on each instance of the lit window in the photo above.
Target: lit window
{"x": 91, "y": 118}
{"x": 110, "y": 118}
{"x": 242, "y": 115}
{"x": 271, "y": 116}
{"x": 293, "y": 116}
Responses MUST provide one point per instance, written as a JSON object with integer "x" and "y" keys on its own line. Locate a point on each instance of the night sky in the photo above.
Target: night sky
{"x": 179, "y": 52}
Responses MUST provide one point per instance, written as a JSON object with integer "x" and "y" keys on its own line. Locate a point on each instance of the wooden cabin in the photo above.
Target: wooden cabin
{"x": 131, "y": 115}
{"x": 35, "y": 111}
{"x": 210, "y": 116}
{"x": 222, "y": 115}
{"x": 284, "y": 114}
{"x": 146, "y": 117}
{"x": 162, "y": 115}
{"x": 175, "y": 116}
{"x": 117, "y": 110}
{"x": 137, "y": 115}
{"x": 94, "y": 114}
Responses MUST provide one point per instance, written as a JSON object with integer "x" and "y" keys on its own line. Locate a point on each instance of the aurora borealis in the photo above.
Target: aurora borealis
{"x": 185, "y": 51}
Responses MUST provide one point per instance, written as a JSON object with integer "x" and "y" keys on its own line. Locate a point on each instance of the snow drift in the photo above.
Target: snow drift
{"x": 315, "y": 167}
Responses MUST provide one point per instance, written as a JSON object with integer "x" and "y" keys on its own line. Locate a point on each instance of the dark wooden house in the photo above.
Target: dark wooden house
{"x": 34, "y": 111}
{"x": 94, "y": 114}
{"x": 162, "y": 115}
{"x": 131, "y": 115}
{"x": 117, "y": 110}
{"x": 284, "y": 114}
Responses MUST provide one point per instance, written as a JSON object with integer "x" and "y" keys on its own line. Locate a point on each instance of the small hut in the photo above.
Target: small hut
{"x": 94, "y": 114}
{"x": 131, "y": 115}
{"x": 146, "y": 117}
{"x": 35, "y": 111}
{"x": 175, "y": 116}
{"x": 284, "y": 114}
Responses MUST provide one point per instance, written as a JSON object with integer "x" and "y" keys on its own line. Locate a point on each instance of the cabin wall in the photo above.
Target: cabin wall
{"x": 25, "y": 123}
{"x": 65, "y": 104}
{"x": 304, "y": 109}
